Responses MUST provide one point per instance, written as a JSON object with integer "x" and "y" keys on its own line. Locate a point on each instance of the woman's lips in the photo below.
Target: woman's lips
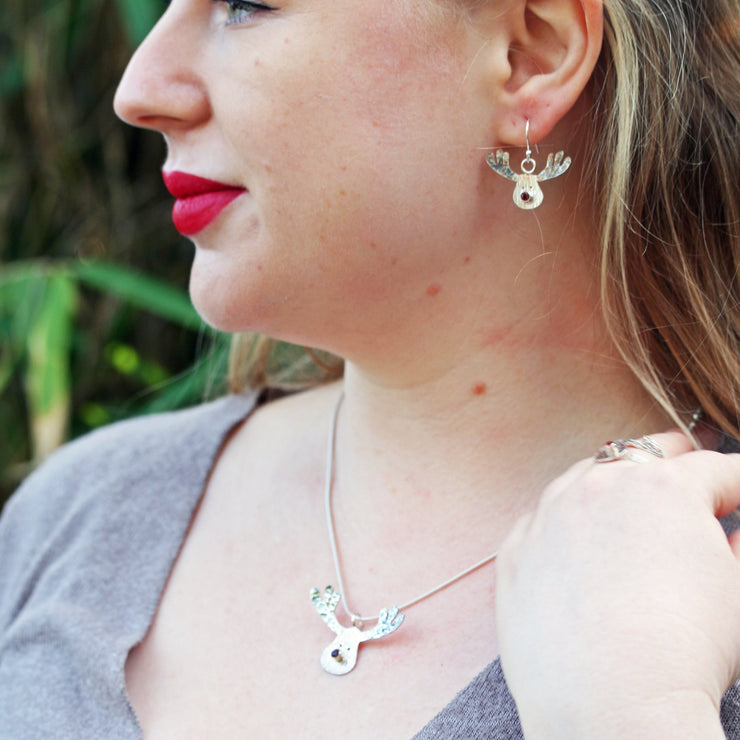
{"x": 199, "y": 200}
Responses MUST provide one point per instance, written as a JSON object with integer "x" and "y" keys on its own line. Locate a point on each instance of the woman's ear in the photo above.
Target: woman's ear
{"x": 551, "y": 48}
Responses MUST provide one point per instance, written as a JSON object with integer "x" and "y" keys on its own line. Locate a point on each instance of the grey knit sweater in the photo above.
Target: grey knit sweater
{"x": 86, "y": 546}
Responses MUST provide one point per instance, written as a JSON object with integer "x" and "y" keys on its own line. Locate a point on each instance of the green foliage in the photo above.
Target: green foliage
{"x": 95, "y": 324}
{"x": 40, "y": 337}
{"x": 142, "y": 291}
{"x": 139, "y": 16}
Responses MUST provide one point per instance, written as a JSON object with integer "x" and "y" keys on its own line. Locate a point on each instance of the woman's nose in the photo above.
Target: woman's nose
{"x": 161, "y": 88}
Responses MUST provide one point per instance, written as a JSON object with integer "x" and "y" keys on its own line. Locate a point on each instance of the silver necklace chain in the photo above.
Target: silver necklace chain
{"x": 357, "y": 619}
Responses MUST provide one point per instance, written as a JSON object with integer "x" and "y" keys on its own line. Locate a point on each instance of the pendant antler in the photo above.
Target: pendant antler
{"x": 326, "y": 605}
{"x": 340, "y": 656}
{"x": 389, "y": 621}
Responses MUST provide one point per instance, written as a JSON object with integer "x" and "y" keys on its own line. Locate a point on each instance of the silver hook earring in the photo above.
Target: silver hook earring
{"x": 528, "y": 193}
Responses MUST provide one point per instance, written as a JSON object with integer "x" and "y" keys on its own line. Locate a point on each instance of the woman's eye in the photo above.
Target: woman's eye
{"x": 239, "y": 11}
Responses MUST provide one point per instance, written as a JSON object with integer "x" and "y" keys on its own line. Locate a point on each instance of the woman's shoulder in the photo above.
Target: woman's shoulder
{"x": 128, "y": 452}
{"x": 110, "y": 483}
{"x": 149, "y": 438}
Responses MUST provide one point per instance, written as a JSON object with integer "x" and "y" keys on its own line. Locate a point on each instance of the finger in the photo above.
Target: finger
{"x": 649, "y": 448}
{"x": 715, "y": 477}
{"x": 672, "y": 443}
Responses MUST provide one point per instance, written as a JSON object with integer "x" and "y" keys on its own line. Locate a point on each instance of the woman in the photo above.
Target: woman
{"x": 342, "y": 171}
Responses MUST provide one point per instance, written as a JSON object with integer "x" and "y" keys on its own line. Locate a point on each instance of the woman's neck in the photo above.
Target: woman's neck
{"x": 486, "y": 435}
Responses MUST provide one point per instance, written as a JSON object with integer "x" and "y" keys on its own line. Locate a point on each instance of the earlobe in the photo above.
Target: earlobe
{"x": 553, "y": 50}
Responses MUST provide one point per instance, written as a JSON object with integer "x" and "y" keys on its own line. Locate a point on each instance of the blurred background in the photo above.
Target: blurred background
{"x": 95, "y": 322}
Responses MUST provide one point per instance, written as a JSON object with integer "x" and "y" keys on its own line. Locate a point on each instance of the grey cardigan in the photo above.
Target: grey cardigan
{"x": 86, "y": 546}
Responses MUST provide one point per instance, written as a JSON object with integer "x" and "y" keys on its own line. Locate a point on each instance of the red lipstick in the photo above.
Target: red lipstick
{"x": 199, "y": 201}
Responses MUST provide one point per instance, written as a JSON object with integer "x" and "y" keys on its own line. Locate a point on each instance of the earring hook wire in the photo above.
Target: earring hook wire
{"x": 528, "y": 164}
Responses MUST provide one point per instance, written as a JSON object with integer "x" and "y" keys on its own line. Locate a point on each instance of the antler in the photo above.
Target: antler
{"x": 554, "y": 167}
{"x": 388, "y": 621}
{"x": 340, "y": 656}
{"x": 499, "y": 163}
{"x": 325, "y": 606}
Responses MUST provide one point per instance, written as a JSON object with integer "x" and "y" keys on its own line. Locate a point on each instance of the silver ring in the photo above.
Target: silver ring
{"x": 624, "y": 449}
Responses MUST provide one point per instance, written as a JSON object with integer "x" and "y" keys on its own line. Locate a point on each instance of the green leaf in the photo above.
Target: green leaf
{"x": 47, "y": 379}
{"x": 22, "y": 290}
{"x": 140, "y": 290}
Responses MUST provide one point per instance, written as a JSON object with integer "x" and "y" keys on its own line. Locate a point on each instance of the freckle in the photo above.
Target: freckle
{"x": 376, "y": 124}
{"x": 433, "y": 289}
{"x": 479, "y": 389}
{"x": 342, "y": 192}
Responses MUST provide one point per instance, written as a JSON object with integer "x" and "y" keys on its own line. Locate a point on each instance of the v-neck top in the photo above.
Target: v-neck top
{"x": 86, "y": 546}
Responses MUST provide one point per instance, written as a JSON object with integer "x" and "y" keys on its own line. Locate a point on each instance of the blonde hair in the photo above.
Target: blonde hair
{"x": 666, "y": 158}
{"x": 257, "y": 361}
{"x": 667, "y": 119}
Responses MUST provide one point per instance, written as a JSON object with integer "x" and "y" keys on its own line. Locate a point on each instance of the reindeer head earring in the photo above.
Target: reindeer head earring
{"x": 527, "y": 193}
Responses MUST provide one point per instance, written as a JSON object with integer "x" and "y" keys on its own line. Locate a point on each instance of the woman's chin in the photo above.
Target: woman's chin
{"x": 223, "y": 293}
{"x": 234, "y": 308}
{"x": 219, "y": 304}
{"x": 221, "y": 311}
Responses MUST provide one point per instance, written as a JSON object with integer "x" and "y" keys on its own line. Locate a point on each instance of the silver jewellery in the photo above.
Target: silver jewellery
{"x": 528, "y": 194}
{"x": 340, "y": 656}
{"x": 629, "y": 449}
{"x": 624, "y": 449}
{"x": 696, "y": 417}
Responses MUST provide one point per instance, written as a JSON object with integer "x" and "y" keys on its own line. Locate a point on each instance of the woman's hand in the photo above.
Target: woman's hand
{"x": 618, "y": 602}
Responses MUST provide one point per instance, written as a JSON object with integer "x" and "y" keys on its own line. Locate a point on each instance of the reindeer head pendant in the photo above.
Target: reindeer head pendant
{"x": 340, "y": 656}
{"x": 527, "y": 193}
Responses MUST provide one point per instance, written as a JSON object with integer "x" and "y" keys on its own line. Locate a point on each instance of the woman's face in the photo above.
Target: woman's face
{"x": 356, "y": 129}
